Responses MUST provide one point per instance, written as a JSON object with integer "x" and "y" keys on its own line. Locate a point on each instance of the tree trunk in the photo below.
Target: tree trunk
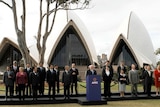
{"x": 23, "y": 48}
{"x": 43, "y": 49}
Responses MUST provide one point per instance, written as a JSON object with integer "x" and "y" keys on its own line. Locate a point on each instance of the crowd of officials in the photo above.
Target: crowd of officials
{"x": 133, "y": 77}
{"x": 30, "y": 81}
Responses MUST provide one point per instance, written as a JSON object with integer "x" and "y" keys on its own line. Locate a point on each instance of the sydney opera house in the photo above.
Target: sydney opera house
{"x": 71, "y": 42}
{"x": 133, "y": 44}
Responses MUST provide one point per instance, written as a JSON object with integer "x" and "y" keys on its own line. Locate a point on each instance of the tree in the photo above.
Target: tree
{"x": 157, "y": 52}
{"x": 52, "y": 6}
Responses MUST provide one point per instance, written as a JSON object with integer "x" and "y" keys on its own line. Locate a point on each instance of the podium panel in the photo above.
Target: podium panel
{"x": 93, "y": 88}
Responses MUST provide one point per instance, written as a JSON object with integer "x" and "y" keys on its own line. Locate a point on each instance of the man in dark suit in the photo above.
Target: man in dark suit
{"x": 91, "y": 70}
{"x": 66, "y": 81}
{"x": 15, "y": 69}
{"x": 74, "y": 73}
{"x": 34, "y": 82}
{"x": 57, "y": 77}
{"x": 147, "y": 76}
{"x": 51, "y": 79}
{"x": 142, "y": 77}
{"x": 28, "y": 70}
{"x": 8, "y": 80}
{"x": 42, "y": 75}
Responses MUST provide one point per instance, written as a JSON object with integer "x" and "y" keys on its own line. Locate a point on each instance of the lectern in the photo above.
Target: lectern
{"x": 93, "y": 88}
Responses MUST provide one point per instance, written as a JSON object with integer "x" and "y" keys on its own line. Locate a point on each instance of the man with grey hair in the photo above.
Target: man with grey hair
{"x": 91, "y": 70}
{"x": 66, "y": 81}
{"x": 8, "y": 80}
{"x": 133, "y": 79}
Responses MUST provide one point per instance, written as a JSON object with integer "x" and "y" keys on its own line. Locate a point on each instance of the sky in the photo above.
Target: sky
{"x": 102, "y": 19}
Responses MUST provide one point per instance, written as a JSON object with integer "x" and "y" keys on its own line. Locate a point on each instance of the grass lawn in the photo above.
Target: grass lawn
{"x": 114, "y": 87}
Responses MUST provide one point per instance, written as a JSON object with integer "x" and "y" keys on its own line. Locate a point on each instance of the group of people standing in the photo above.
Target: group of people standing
{"x": 148, "y": 77}
{"x": 30, "y": 81}
{"x": 131, "y": 77}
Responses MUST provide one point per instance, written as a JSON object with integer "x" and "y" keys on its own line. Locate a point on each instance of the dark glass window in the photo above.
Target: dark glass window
{"x": 70, "y": 49}
{"x": 123, "y": 53}
{"x": 10, "y": 54}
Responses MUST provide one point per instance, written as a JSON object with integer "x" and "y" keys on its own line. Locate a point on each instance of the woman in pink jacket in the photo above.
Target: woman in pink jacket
{"x": 21, "y": 82}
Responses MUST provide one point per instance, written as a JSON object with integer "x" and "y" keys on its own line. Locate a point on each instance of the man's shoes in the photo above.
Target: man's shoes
{"x": 5, "y": 99}
{"x": 65, "y": 98}
{"x": 58, "y": 94}
{"x": 105, "y": 97}
{"x": 34, "y": 99}
{"x": 136, "y": 95}
{"x": 53, "y": 99}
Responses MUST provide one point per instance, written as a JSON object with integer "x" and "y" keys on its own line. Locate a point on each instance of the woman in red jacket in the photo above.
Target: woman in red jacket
{"x": 21, "y": 82}
{"x": 157, "y": 79}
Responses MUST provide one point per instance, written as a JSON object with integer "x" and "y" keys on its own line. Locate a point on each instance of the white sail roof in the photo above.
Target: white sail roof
{"x": 63, "y": 21}
{"x": 136, "y": 35}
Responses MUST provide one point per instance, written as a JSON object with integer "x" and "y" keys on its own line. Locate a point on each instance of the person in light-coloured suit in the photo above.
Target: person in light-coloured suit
{"x": 66, "y": 81}
{"x": 133, "y": 79}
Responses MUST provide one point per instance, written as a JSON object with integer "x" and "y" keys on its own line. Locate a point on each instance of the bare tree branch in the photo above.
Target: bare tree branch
{"x": 15, "y": 15}
{"x": 24, "y": 18}
{"x": 46, "y": 34}
{"x": 50, "y": 12}
{"x": 59, "y": 5}
{"x": 6, "y": 4}
{"x": 39, "y": 28}
{"x": 82, "y": 7}
{"x": 54, "y": 17}
{"x": 47, "y": 17}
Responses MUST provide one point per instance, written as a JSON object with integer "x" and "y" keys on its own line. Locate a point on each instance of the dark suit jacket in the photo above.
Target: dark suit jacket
{"x": 8, "y": 81}
{"x": 74, "y": 77}
{"x": 51, "y": 77}
{"x": 106, "y": 78}
{"x": 119, "y": 70}
{"x": 57, "y": 75}
{"x": 147, "y": 78}
{"x": 34, "y": 79}
{"x": 122, "y": 77}
{"x": 42, "y": 74}
{"x": 66, "y": 78}
{"x": 15, "y": 71}
{"x": 89, "y": 72}
{"x": 28, "y": 74}
{"x": 110, "y": 69}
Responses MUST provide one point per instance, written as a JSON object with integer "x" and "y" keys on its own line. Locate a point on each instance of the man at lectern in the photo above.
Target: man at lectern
{"x": 91, "y": 70}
